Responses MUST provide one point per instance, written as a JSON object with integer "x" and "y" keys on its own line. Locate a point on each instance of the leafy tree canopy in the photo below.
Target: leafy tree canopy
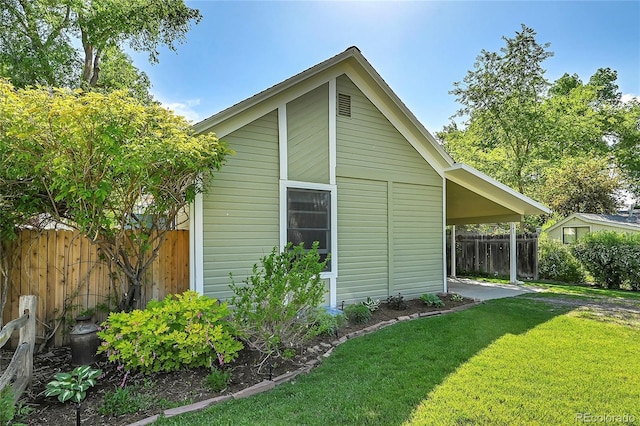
{"x": 69, "y": 43}
{"x": 522, "y": 130}
{"x": 581, "y": 185}
{"x": 117, "y": 170}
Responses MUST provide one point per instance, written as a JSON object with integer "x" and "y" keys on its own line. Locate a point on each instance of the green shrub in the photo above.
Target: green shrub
{"x": 187, "y": 330}
{"x": 124, "y": 400}
{"x": 612, "y": 258}
{"x": 557, "y": 263}
{"x": 274, "y": 308}
{"x": 7, "y": 407}
{"x": 217, "y": 380}
{"x": 325, "y": 323}
{"x": 357, "y": 313}
{"x": 397, "y": 302}
{"x": 432, "y": 300}
{"x": 372, "y": 304}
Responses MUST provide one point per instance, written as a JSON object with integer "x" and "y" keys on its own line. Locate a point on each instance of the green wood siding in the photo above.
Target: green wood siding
{"x": 370, "y": 146}
{"x": 362, "y": 240}
{"x": 417, "y": 240}
{"x": 240, "y": 212}
{"x": 556, "y": 233}
{"x": 308, "y": 136}
{"x": 382, "y": 177}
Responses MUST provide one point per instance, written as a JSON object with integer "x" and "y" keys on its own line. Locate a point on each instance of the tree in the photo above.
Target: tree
{"x": 501, "y": 99}
{"x": 581, "y": 185}
{"x": 40, "y": 39}
{"x": 115, "y": 169}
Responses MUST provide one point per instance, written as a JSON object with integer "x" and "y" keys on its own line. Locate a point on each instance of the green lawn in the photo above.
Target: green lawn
{"x": 508, "y": 361}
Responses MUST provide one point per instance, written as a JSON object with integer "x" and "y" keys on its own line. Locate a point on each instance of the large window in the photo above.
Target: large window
{"x": 309, "y": 219}
{"x": 571, "y": 234}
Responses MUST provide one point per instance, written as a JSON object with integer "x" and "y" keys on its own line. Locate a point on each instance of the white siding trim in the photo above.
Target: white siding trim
{"x": 333, "y": 132}
{"x": 196, "y": 243}
{"x": 445, "y": 284}
{"x": 282, "y": 141}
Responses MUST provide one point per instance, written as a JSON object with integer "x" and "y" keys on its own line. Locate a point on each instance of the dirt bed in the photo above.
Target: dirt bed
{"x": 167, "y": 390}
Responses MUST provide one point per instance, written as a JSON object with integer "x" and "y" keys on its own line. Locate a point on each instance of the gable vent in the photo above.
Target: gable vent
{"x": 344, "y": 105}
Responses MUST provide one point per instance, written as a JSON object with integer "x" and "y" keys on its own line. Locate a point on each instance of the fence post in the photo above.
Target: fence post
{"x": 28, "y": 304}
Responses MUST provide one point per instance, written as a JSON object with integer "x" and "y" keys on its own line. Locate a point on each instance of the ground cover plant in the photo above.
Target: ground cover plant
{"x": 413, "y": 382}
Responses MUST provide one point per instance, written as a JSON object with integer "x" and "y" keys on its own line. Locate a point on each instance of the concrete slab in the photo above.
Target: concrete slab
{"x": 485, "y": 291}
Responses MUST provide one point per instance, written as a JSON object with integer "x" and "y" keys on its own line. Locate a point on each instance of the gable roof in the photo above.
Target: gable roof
{"x": 352, "y": 63}
{"x": 493, "y": 201}
{"x": 626, "y": 221}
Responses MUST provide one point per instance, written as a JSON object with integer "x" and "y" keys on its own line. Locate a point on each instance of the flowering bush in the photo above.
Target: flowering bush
{"x": 612, "y": 258}
{"x": 187, "y": 330}
{"x": 557, "y": 263}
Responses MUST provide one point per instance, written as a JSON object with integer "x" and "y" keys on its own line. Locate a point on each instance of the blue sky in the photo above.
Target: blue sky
{"x": 419, "y": 47}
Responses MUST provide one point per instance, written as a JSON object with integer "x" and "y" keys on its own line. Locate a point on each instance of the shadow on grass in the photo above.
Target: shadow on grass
{"x": 381, "y": 378}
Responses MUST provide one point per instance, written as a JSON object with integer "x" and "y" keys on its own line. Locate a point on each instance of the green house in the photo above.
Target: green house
{"x": 571, "y": 228}
{"x": 333, "y": 155}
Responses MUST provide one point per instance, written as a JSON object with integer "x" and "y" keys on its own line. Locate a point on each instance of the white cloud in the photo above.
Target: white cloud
{"x": 184, "y": 108}
{"x": 627, "y": 97}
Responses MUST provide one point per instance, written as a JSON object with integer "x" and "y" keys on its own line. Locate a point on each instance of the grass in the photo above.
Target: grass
{"x": 571, "y": 290}
{"x": 507, "y": 361}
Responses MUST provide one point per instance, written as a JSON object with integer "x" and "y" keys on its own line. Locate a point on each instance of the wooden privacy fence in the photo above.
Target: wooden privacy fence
{"x": 69, "y": 277}
{"x": 489, "y": 254}
{"x": 18, "y": 372}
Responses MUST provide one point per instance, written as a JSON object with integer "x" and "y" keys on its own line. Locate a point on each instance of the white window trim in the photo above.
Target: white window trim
{"x": 332, "y": 189}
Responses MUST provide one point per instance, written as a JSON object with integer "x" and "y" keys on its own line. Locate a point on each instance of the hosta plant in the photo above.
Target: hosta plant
{"x": 432, "y": 300}
{"x": 372, "y": 304}
{"x": 73, "y": 386}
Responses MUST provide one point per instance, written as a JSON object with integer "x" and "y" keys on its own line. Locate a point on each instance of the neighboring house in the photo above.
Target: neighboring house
{"x": 333, "y": 155}
{"x": 578, "y": 224}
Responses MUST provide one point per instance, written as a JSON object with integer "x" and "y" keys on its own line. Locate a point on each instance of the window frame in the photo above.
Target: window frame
{"x": 285, "y": 185}
{"x": 575, "y": 233}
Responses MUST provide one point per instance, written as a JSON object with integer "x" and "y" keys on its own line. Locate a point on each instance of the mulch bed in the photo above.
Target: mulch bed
{"x": 168, "y": 390}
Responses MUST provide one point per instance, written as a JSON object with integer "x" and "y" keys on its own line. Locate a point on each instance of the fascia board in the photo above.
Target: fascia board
{"x": 464, "y": 175}
{"x": 216, "y": 120}
{"x": 399, "y": 119}
{"x": 563, "y": 221}
{"x": 485, "y": 219}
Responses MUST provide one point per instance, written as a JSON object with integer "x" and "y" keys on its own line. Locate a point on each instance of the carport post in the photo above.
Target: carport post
{"x": 453, "y": 251}
{"x": 513, "y": 265}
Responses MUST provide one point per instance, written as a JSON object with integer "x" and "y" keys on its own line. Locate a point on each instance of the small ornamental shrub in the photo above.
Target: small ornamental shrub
{"x": 217, "y": 380}
{"x": 432, "y": 300}
{"x": 357, "y": 313}
{"x": 273, "y": 308}
{"x": 557, "y": 263}
{"x": 612, "y": 258}
{"x": 372, "y": 304}
{"x": 187, "y": 330}
{"x": 397, "y": 302}
{"x": 326, "y": 324}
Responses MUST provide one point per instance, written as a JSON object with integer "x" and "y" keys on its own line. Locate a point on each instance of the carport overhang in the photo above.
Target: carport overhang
{"x": 473, "y": 197}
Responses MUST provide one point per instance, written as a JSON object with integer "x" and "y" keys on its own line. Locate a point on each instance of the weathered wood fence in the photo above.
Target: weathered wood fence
{"x": 69, "y": 277}
{"x": 489, "y": 254}
{"x": 18, "y": 372}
